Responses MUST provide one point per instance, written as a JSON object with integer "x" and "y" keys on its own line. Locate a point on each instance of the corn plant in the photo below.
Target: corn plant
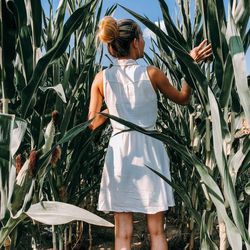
{"x": 48, "y": 64}
{"x": 208, "y": 141}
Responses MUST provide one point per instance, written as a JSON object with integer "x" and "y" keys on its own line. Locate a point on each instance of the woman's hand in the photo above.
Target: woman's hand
{"x": 200, "y": 52}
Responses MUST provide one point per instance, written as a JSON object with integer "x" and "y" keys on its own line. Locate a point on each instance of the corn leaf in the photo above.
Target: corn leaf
{"x": 58, "y": 89}
{"x": 19, "y": 129}
{"x": 57, "y": 213}
{"x": 170, "y": 26}
{"x": 25, "y": 52}
{"x": 8, "y": 43}
{"x": 239, "y": 64}
{"x": 74, "y": 21}
{"x": 215, "y": 38}
{"x": 6, "y": 128}
{"x": 206, "y": 242}
{"x": 227, "y": 82}
{"x": 58, "y": 22}
{"x": 221, "y": 163}
{"x": 36, "y": 21}
{"x": 9, "y": 226}
{"x": 17, "y": 7}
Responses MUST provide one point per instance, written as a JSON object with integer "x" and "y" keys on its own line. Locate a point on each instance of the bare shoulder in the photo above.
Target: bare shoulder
{"x": 98, "y": 82}
{"x": 98, "y": 78}
{"x": 152, "y": 72}
{"x": 155, "y": 75}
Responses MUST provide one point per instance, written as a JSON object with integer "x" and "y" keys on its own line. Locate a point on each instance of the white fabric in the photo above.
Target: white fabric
{"x": 127, "y": 185}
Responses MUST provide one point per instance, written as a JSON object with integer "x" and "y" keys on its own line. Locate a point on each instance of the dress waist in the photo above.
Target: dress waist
{"x": 127, "y": 129}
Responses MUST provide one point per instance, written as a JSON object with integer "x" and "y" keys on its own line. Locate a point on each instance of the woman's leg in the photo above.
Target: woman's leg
{"x": 156, "y": 230}
{"x": 123, "y": 230}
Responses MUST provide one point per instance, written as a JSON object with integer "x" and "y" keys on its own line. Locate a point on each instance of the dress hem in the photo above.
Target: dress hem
{"x": 129, "y": 210}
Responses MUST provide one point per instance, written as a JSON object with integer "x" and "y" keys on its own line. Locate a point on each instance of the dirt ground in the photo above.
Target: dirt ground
{"x": 103, "y": 238}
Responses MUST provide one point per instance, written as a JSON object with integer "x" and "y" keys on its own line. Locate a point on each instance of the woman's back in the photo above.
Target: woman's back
{"x": 129, "y": 94}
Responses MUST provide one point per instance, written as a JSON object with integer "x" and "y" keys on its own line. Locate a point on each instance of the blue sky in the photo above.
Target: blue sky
{"x": 149, "y": 8}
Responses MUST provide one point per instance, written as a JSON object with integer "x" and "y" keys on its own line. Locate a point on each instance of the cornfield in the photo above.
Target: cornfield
{"x": 49, "y": 158}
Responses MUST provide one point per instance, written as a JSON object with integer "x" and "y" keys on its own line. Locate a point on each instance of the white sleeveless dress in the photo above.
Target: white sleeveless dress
{"x": 127, "y": 185}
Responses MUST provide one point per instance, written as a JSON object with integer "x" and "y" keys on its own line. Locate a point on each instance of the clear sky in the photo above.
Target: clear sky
{"x": 149, "y": 8}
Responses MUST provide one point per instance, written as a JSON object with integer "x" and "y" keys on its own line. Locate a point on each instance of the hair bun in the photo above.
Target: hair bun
{"x": 108, "y": 29}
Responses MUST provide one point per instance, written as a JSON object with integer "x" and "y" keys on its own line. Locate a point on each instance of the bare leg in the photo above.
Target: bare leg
{"x": 156, "y": 230}
{"x": 123, "y": 230}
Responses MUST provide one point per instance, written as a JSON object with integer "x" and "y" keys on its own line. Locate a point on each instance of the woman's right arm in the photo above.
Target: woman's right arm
{"x": 161, "y": 82}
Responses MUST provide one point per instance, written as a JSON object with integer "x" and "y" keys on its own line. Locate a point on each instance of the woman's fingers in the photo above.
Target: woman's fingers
{"x": 207, "y": 49}
{"x": 202, "y": 44}
{"x": 201, "y": 51}
{"x": 204, "y": 54}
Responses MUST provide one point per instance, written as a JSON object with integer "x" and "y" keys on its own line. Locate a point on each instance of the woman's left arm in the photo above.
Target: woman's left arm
{"x": 96, "y": 100}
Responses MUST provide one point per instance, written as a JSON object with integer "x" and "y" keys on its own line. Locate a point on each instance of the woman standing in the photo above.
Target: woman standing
{"x": 129, "y": 91}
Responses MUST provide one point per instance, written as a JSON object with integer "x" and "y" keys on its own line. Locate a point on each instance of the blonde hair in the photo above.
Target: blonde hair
{"x": 108, "y": 29}
{"x": 118, "y": 34}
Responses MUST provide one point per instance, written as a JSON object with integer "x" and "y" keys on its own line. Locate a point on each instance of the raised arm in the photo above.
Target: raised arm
{"x": 161, "y": 82}
{"x": 96, "y": 100}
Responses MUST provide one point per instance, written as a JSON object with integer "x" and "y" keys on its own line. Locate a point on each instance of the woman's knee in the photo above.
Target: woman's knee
{"x": 155, "y": 224}
{"x": 123, "y": 225}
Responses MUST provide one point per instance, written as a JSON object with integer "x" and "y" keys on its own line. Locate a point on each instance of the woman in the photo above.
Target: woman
{"x": 129, "y": 91}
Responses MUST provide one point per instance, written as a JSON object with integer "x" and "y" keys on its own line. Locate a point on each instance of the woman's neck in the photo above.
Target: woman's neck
{"x": 127, "y": 57}
{"x": 132, "y": 55}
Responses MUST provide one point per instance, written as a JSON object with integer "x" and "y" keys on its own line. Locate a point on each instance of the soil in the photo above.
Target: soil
{"x": 102, "y": 238}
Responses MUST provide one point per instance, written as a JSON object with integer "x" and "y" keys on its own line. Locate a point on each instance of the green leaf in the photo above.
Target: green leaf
{"x": 69, "y": 135}
{"x": 215, "y": 38}
{"x": 74, "y": 21}
{"x": 57, "y": 213}
{"x": 17, "y": 7}
{"x": 183, "y": 194}
{"x": 206, "y": 242}
{"x": 219, "y": 153}
{"x": 246, "y": 41}
{"x": 25, "y": 52}
{"x": 17, "y": 134}
{"x": 170, "y": 26}
{"x": 58, "y": 89}
{"x": 8, "y": 54}
{"x": 235, "y": 163}
{"x": 36, "y": 21}
{"x": 6, "y": 128}
{"x": 60, "y": 14}
{"x": 247, "y": 188}
{"x": 239, "y": 64}
{"x": 227, "y": 82}
{"x": 8, "y": 228}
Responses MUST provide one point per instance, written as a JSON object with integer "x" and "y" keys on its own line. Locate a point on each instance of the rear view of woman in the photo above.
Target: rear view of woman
{"x": 129, "y": 91}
